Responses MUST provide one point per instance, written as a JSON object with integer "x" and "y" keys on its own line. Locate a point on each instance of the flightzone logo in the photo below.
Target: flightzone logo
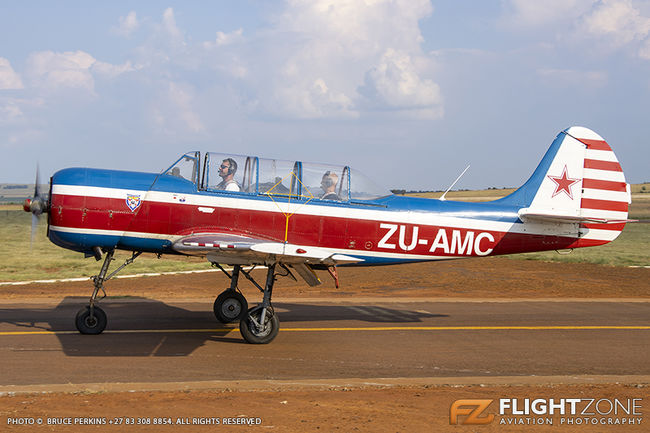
{"x": 541, "y": 411}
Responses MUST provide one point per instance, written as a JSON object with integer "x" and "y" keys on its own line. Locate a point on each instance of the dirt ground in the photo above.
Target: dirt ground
{"x": 423, "y": 408}
{"x": 419, "y": 409}
{"x": 493, "y": 277}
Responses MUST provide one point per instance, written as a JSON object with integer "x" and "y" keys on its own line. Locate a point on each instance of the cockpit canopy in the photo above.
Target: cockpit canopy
{"x": 240, "y": 174}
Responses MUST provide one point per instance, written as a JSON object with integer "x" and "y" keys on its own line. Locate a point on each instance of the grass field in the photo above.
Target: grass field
{"x": 44, "y": 260}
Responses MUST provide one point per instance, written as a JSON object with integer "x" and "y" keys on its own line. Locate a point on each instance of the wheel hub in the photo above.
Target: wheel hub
{"x": 265, "y": 329}
{"x": 231, "y": 308}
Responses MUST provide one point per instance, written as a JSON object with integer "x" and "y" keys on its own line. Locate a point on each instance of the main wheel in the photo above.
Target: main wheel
{"x": 91, "y": 325}
{"x": 269, "y": 331}
{"x": 230, "y": 306}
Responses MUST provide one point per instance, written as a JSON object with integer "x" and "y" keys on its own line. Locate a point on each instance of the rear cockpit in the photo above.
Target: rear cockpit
{"x": 250, "y": 175}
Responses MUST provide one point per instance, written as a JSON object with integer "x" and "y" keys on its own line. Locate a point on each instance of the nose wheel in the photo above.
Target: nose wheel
{"x": 91, "y": 322}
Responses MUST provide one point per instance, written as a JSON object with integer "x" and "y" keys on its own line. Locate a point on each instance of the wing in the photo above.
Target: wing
{"x": 233, "y": 249}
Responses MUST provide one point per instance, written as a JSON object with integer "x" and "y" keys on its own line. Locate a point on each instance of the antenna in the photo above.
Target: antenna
{"x": 442, "y": 197}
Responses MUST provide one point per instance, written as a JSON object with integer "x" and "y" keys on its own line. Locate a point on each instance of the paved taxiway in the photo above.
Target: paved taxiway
{"x": 153, "y": 341}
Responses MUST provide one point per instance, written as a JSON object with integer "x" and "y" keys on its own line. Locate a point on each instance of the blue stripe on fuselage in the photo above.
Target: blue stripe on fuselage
{"x": 84, "y": 242}
{"x": 487, "y": 211}
{"x": 104, "y": 178}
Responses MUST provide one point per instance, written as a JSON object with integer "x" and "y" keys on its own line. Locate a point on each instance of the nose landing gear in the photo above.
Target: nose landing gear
{"x": 92, "y": 319}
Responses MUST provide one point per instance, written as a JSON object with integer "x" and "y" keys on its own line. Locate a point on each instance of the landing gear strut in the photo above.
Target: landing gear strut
{"x": 261, "y": 325}
{"x": 92, "y": 319}
{"x": 258, "y": 325}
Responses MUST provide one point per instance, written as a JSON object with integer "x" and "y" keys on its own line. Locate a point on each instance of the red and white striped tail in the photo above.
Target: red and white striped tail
{"x": 605, "y": 194}
{"x": 582, "y": 184}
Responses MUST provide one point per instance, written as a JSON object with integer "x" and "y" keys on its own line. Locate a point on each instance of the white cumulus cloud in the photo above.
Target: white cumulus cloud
{"x": 170, "y": 28}
{"x": 58, "y": 70}
{"x": 109, "y": 70}
{"x": 315, "y": 101}
{"x": 10, "y": 112}
{"x": 618, "y": 21}
{"x": 9, "y": 79}
{"x": 174, "y": 112}
{"x": 613, "y": 24}
{"x": 225, "y": 38}
{"x": 395, "y": 83}
{"x": 71, "y": 69}
{"x": 335, "y": 47}
{"x": 127, "y": 25}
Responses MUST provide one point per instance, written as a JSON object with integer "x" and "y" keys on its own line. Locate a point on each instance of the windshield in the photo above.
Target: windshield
{"x": 186, "y": 167}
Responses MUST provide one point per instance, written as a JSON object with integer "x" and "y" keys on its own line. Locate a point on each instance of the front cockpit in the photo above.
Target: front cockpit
{"x": 250, "y": 175}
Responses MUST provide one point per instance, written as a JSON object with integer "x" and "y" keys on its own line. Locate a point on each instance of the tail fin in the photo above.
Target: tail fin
{"x": 578, "y": 181}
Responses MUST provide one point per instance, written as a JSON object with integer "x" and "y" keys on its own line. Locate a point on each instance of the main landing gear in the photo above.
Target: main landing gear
{"x": 258, "y": 325}
{"x": 92, "y": 319}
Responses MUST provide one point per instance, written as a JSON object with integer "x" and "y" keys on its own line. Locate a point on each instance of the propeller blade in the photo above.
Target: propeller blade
{"x": 35, "y": 219}
{"x": 37, "y": 192}
{"x": 36, "y": 206}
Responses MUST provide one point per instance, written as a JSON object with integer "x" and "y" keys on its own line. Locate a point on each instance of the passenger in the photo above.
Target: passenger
{"x": 227, "y": 171}
{"x": 176, "y": 172}
{"x": 328, "y": 185}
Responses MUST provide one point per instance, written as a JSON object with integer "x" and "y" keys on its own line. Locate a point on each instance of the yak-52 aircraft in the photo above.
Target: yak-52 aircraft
{"x": 291, "y": 215}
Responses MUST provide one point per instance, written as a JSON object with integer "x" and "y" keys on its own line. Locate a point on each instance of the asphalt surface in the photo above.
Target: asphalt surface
{"x": 153, "y": 341}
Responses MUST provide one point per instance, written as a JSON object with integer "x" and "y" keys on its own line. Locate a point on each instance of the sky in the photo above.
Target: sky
{"x": 409, "y": 92}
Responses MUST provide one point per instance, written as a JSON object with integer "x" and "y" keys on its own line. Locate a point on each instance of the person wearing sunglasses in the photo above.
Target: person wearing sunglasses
{"x": 227, "y": 171}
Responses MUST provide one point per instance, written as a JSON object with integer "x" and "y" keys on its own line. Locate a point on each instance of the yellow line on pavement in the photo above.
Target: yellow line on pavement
{"x": 373, "y": 328}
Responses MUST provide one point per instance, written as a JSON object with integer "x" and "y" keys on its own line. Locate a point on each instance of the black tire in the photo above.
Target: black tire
{"x": 253, "y": 335}
{"x": 230, "y": 306}
{"x": 91, "y": 325}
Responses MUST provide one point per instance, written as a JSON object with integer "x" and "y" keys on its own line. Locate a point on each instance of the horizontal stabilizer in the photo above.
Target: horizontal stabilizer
{"x": 526, "y": 214}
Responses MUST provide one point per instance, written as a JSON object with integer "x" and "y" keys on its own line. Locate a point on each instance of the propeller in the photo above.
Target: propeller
{"x": 37, "y": 205}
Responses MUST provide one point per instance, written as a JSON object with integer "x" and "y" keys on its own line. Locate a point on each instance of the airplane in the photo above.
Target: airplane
{"x": 244, "y": 211}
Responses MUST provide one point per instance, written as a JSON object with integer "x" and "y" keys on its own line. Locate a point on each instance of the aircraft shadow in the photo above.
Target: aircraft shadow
{"x": 365, "y": 313}
{"x": 154, "y": 328}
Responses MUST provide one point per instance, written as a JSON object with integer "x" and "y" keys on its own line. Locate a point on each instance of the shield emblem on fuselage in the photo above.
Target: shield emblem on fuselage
{"x": 133, "y": 201}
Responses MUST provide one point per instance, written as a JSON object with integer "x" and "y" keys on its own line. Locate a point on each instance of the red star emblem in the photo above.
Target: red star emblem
{"x": 563, "y": 183}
